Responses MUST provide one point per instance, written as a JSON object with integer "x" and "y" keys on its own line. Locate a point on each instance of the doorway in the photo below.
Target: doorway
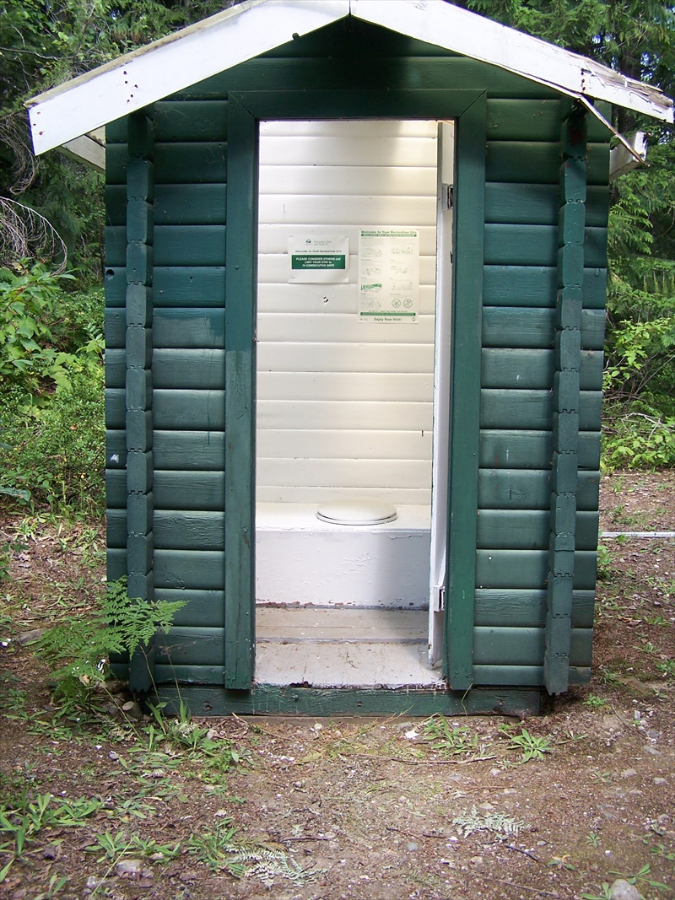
{"x": 352, "y": 398}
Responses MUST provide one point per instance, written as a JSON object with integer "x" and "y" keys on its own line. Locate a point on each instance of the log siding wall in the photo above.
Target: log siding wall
{"x": 518, "y": 357}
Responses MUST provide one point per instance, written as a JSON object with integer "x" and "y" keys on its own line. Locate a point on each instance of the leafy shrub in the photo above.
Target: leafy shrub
{"x": 637, "y": 436}
{"x": 56, "y": 451}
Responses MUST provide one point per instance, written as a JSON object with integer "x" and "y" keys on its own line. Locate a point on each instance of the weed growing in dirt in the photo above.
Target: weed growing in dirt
{"x": 643, "y": 878}
{"x": 472, "y": 821}
{"x": 23, "y": 819}
{"x": 595, "y": 702}
{"x": 450, "y": 740}
{"x": 117, "y": 845}
{"x": 530, "y": 746}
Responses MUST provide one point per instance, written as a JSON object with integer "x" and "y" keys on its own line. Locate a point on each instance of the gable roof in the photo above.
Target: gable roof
{"x": 69, "y": 116}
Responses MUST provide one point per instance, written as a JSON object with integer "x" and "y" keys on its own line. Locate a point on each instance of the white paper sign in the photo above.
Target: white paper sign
{"x": 389, "y": 275}
{"x": 318, "y": 260}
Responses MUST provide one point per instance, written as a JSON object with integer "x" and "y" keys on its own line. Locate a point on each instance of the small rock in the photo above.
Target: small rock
{"x": 622, "y": 890}
{"x": 51, "y": 851}
{"x": 628, "y": 773}
{"x": 129, "y": 868}
{"x": 187, "y": 877}
{"x": 660, "y": 781}
{"x": 114, "y": 756}
{"x": 92, "y": 883}
{"x": 30, "y": 637}
{"x": 132, "y": 709}
{"x": 477, "y": 861}
{"x": 412, "y": 846}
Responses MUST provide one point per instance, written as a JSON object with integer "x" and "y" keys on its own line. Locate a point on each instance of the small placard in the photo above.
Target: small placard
{"x": 318, "y": 259}
{"x": 389, "y": 263}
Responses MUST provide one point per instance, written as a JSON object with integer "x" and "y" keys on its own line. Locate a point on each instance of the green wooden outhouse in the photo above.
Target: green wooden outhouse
{"x": 355, "y": 283}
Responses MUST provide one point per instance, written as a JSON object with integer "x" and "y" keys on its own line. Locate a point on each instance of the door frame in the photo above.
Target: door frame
{"x": 245, "y": 109}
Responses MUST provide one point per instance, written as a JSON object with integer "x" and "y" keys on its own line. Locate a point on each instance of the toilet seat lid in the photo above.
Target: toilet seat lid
{"x": 362, "y": 511}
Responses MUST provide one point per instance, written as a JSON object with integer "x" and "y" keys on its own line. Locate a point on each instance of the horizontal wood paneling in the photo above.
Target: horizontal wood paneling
{"x": 396, "y": 387}
{"x": 538, "y": 204}
{"x": 345, "y": 329}
{"x": 199, "y": 369}
{"x": 197, "y": 121}
{"x": 323, "y": 372}
{"x": 533, "y": 410}
{"x": 188, "y": 328}
{"x": 525, "y": 646}
{"x": 361, "y": 444}
{"x": 190, "y": 646}
{"x": 510, "y": 489}
{"x": 528, "y": 569}
{"x": 189, "y": 245}
{"x": 537, "y": 245}
{"x": 289, "y": 414}
{"x": 527, "y": 609}
{"x": 536, "y": 286}
{"x": 368, "y": 357}
{"x": 188, "y": 410}
{"x": 533, "y": 369}
{"x": 175, "y": 204}
{"x": 191, "y": 451}
{"x": 201, "y": 287}
{"x": 510, "y": 449}
{"x": 523, "y": 676}
{"x": 539, "y": 163}
{"x": 173, "y": 490}
{"x": 205, "y": 609}
{"x": 508, "y": 529}
{"x": 329, "y": 73}
{"x": 505, "y": 326}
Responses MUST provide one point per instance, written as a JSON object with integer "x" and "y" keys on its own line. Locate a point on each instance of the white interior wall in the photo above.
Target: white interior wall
{"x": 344, "y": 407}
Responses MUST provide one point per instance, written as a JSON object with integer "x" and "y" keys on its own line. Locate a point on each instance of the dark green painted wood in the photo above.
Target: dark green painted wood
{"x": 189, "y": 569}
{"x": 268, "y": 700}
{"x": 331, "y": 73}
{"x": 530, "y": 489}
{"x": 190, "y": 646}
{"x": 538, "y": 204}
{"x": 523, "y": 120}
{"x": 507, "y": 529}
{"x": 200, "y": 369}
{"x": 190, "y": 245}
{"x": 525, "y": 646}
{"x": 465, "y": 396}
{"x": 239, "y": 406}
{"x": 537, "y": 245}
{"x": 525, "y": 162}
{"x": 175, "y": 204}
{"x": 189, "y": 328}
{"x": 536, "y": 286}
{"x": 188, "y": 490}
{"x": 180, "y": 121}
{"x": 533, "y": 410}
{"x": 189, "y": 286}
{"x": 505, "y": 326}
{"x": 531, "y": 676}
{"x": 409, "y": 103}
{"x": 497, "y": 529}
{"x": 205, "y": 609}
{"x": 191, "y": 410}
{"x": 116, "y": 449}
{"x": 574, "y": 237}
{"x": 505, "y": 449}
{"x": 528, "y": 569}
{"x": 191, "y": 163}
{"x": 189, "y": 451}
{"x": 531, "y": 369}
{"x": 527, "y": 608}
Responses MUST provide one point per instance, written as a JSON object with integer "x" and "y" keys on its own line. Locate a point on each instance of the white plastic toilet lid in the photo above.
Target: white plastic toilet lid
{"x": 363, "y": 511}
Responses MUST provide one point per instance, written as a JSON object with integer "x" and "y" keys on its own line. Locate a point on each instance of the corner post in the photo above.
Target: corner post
{"x": 139, "y": 262}
{"x": 566, "y": 396}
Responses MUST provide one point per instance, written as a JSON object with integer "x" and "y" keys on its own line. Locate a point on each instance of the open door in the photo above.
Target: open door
{"x": 442, "y": 370}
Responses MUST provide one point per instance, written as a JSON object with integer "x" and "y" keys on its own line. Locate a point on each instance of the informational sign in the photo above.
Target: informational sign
{"x": 389, "y": 267}
{"x": 318, "y": 260}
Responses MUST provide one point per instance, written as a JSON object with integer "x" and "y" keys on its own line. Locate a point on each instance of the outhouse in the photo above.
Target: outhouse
{"x": 355, "y": 279}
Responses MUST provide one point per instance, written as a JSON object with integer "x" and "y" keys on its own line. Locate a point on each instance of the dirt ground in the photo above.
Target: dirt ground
{"x": 98, "y": 803}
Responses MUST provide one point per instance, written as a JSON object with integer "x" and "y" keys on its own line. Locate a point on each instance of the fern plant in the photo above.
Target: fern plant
{"x": 79, "y": 651}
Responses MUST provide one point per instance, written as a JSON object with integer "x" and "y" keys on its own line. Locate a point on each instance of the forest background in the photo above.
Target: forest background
{"x": 51, "y": 238}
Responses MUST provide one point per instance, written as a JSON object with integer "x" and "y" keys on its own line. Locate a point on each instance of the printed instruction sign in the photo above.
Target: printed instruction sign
{"x": 389, "y": 281}
{"x": 318, "y": 260}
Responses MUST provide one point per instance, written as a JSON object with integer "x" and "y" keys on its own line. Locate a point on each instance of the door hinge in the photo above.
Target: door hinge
{"x": 447, "y": 196}
{"x": 439, "y": 599}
